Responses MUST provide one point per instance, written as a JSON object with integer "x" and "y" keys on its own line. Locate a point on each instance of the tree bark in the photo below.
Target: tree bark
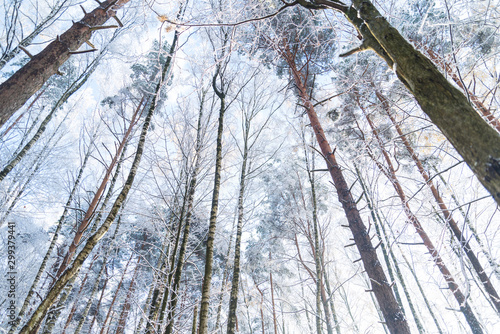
{"x": 391, "y": 310}
{"x": 382, "y": 235}
{"x": 8, "y": 55}
{"x": 233, "y": 299}
{"x": 478, "y": 268}
{"x": 187, "y": 225}
{"x": 448, "y": 108}
{"x": 207, "y": 277}
{"x": 73, "y": 269}
{"x": 82, "y": 227}
{"x": 448, "y": 277}
{"x": 77, "y": 298}
{"x": 30, "y": 78}
{"x": 474, "y": 99}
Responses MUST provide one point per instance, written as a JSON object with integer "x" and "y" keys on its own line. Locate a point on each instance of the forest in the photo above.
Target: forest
{"x": 258, "y": 166}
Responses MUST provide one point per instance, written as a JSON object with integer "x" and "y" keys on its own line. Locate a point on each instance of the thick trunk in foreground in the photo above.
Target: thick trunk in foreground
{"x": 394, "y": 317}
{"x": 473, "y": 98}
{"x": 448, "y": 108}
{"x": 30, "y": 78}
{"x": 8, "y": 55}
{"x": 472, "y": 137}
{"x": 115, "y": 296}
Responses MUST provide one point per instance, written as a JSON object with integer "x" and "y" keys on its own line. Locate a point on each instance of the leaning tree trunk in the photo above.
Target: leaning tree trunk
{"x": 73, "y": 269}
{"x": 30, "y": 78}
{"x": 383, "y": 237}
{"x": 391, "y": 310}
{"x": 97, "y": 196}
{"x": 484, "y": 248}
{"x": 11, "y": 126}
{"x": 390, "y": 173}
{"x": 383, "y": 224}
{"x": 8, "y": 55}
{"x": 271, "y": 286}
{"x": 53, "y": 241}
{"x": 473, "y": 97}
{"x": 483, "y": 277}
{"x": 315, "y": 247}
{"x": 448, "y": 108}
{"x": 77, "y": 297}
{"x": 43, "y": 126}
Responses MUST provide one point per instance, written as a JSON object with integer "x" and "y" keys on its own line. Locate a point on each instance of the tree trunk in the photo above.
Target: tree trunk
{"x": 97, "y": 197}
{"x": 30, "y": 78}
{"x": 22, "y": 114}
{"x": 382, "y": 235}
{"x": 484, "y": 250}
{"x": 483, "y": 277}
{"x": 453, "y": 286}
{"x": 473, "y": 138}
{"x": 207, "y": 277}
{"x": 8, "y": 55}
{"x": 195, "y": 313}
{"x": 273, "y": 308}
{"x": 73, "y": 269}
{"x": 316, "y": 250}
{"x": 393, "y": 315}
{"x": 233, "y": 299}
{"x": 474, "y": 99}
{"x": 447, "y": 107}
{"x": 187, "y": 225}
{"x": 41, "y": 129}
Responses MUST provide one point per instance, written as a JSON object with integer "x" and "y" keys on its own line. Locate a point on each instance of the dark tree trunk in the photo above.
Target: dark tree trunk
{"x": 391, "y": 310}
{"x": 30, "y": 78}
{"x": 448, "y": 108}
{"x": 207, "y": 278}
{"x": 483, "y": 277}
{"x": 233, "y": 299}
{"x": 448, "y": 277}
